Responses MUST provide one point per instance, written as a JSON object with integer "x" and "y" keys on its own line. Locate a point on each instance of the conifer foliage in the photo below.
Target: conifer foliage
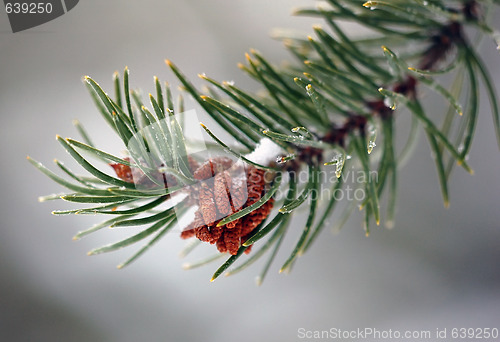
{"x": 335, "y": 104}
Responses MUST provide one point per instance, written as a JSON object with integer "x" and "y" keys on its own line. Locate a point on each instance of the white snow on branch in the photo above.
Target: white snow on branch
{"x": 265, "y": 152}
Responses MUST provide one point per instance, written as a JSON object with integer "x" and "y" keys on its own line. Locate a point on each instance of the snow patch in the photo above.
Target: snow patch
{"x": 265, "y": 152}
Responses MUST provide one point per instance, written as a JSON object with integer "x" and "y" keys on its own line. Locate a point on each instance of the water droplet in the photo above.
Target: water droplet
{"x": 339, "y": 160}
{"x": 390, "y": 103}
{"x": 371, "y": 145}
{"x": 372, "y": 136}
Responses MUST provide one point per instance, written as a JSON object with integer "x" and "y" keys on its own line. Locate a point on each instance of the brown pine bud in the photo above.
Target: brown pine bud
{"x": 221, "y": 193}
{"x": 124, "y": 172}
{"x": 207, "y": 204}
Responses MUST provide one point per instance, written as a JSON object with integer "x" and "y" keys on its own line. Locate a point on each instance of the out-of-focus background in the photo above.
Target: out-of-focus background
{"x": 436, "y": 269}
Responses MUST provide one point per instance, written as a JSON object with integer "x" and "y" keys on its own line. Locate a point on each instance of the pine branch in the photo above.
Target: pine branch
{"x": 333, "y": 108}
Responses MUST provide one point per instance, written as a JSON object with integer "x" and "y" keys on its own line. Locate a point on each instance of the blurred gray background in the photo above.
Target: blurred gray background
{"x": 436, "y": 269}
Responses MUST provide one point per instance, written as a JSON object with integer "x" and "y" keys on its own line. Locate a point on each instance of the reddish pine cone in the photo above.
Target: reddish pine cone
{"x": 221, "y": 194}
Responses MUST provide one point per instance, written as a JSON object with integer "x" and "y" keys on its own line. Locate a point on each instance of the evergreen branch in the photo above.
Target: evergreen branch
{"x": 340, "y": 99}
